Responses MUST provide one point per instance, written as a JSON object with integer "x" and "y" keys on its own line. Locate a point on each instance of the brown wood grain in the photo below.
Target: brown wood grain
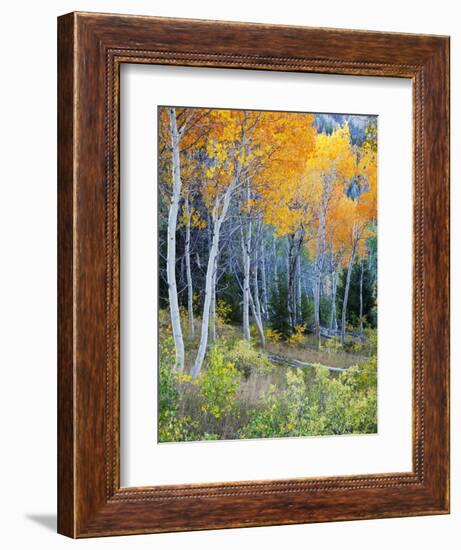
{"x": 66, "y": 471}
{"x": 91, "y": 49}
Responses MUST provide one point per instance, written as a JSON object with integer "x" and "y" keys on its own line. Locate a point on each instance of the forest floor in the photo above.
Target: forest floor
{"x": 242, "y": 394}
{"x": 306, "y": 350}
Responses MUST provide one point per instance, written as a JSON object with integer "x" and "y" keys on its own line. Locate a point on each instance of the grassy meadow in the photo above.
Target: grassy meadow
{"x": 243, "y": 394}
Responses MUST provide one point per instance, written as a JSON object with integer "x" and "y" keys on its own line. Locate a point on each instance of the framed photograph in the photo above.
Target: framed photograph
{"x": 253, "y": 277}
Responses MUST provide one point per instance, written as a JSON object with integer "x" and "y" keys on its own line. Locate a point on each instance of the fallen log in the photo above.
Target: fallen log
{"x": 280, "y": 359}
{"x": 329, "y": 334}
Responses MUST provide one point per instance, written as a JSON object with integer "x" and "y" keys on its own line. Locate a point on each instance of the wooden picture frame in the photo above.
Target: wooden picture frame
{"x": 92, "y": 48}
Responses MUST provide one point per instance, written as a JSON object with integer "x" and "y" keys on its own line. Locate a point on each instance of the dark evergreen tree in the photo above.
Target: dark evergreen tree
{"x": 369, "y": 300}
{"x": 279, "y": 319}
{"x": 307, "y": 311}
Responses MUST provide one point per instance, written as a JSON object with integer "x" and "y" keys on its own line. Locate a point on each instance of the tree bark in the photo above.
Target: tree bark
{"x": 294, "y": 247}
{"x": 255, "y": 276}
{"x": 324, "y": 206}
{"x": 299, "y": 288}
{"x": 218, "y": 219}
{"x": 264, "y": 284}
{"x": 190, "y": 293}
{"x": 171, "y": 245}
{"x": 334, "y": 286}
{"x": 258, "y": 323}
{"x": 213, "y": 305}
{"x": 333, "y": 322}
{"x": 361, "y": 298}
{"x": 318, "y": 275}
{"x": 275, "y": 259}
{"x": 246, "y": 254}
{"x": 348, "y": 283}
{"x": 290, "y": 280}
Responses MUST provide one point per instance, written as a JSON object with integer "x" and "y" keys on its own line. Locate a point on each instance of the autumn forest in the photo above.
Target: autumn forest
{"x": 267, "y": 244}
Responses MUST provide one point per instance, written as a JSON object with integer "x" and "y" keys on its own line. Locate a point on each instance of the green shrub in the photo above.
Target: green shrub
{"x": 247, "y": 359}
{"x": 327, "y": 405}
{"x": 218, "y": 385}
{"x": 370, "y": 344}
{"x": 210, "y": 437}
{"x": 331, "y": 345}
{"x": 223, "y": 313}
{"x": 298, "y": 402}
{"x": 171, "y": 425}
{"x": 164, "y": 319}
{"x": 177, "y": 428}
{"x": 268, "y": 419}
{"x": 168, "y": 392}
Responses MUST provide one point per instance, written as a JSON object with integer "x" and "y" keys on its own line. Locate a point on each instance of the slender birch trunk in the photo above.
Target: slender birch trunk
{"x": 333, "y": 300}
{"x": 361, "y": 298}
{"x": 256, "y": 287}
{"x": 299, "y": 288}
{"x": 190, "y": 290}
{"x": 246, "y": 253}
{"x": 290, "y": 280}
{"x": 213, "y": 305}
{"x": 318, "y": 275}
{"x": 258, "y": 322}
{"x": 264, "y": 285}
{"x": 218, "y": 219}
{"x": 326, "y": 194}
{"x": 294, "y": 250}
{"x": 246, "y": 293}
{"x": 171, "y": 245}
{"x": 346, "y": 297}
{"x": 316, "y": 292}
{"x": 293, "y": 287}
{"x": 348, "y": 283}
{"x": 275, "y": 266}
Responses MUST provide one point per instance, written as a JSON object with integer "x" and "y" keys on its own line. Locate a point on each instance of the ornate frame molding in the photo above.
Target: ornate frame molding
{"x": 91, "y": 49}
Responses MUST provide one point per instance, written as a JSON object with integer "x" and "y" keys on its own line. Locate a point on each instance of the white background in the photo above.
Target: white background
{"x": 146, "y": 462}
{"x": 28, "y": 274}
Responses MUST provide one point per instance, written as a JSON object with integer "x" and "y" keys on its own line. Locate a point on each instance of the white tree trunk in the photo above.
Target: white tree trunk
{"x": 299, "y": 288}
{"x": 246, "y": 253}
{"x": 258, "y": 323}
{"x": 246, "y": 288}
{"x": 335, "y": 275}
{"x": 291, "y": 262}
{"x": 190, "y": 289}
{"x": 346, "y": 297}
{"x": 213, "y": 305}
{"x": 326, "y": 194}
{"x": 256, "y": 277}
{"x": 264, "y": 284}
{"x": 318, "y": 274}
{"x": 334, "y": 283}
{"x": 361, "y": 298}
{"x": 171, "y": 245}
{"x": 295, "y": 242}
{"x": 218, "y": 221}
{"x": 348, "y": 284}
{"x": 275, "y": 258}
